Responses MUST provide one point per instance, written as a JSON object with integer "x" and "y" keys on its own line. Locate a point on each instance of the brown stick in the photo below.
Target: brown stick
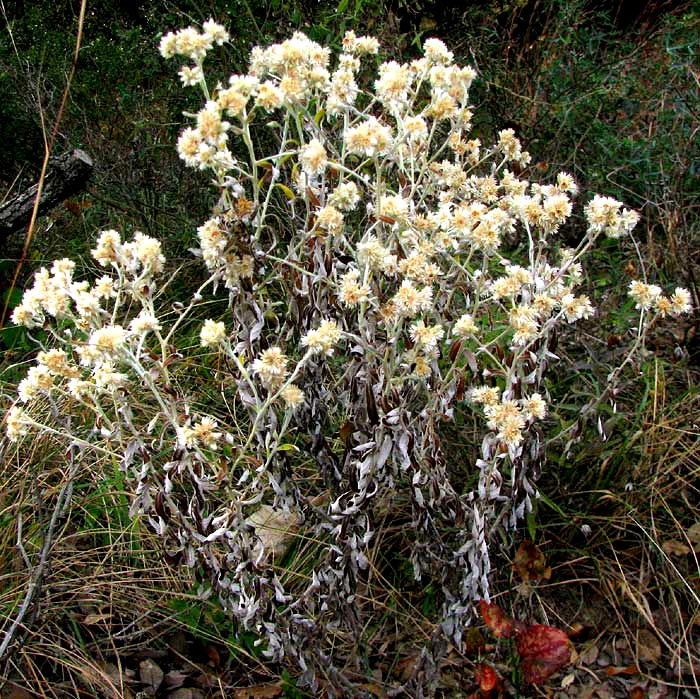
{"x": 48, "y": 147}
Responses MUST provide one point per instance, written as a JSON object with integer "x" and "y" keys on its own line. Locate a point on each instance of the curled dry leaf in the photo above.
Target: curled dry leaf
{"x": 260, "y": 691}
{"x": 615, "y": 670}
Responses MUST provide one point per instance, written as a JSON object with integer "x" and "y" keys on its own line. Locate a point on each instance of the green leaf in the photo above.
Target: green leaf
{"x": 286, "y": 191}
{"x": 531, "y": 525}
{"x": 287, "y": 447}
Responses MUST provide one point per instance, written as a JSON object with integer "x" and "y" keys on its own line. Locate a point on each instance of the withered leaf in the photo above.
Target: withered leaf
{"x": 150, "y": 674}
{"x": 529, "y": 563}
{"x": 673, "y": 547}
{"x": 613, "y": 670}
{"x": 261, "y": 691}
{"x": 372, "y": 413}
{"x": 648, "y": 646}
{"x": 474, "y": 641}
{"x": 91, "y": 619}
{"x": 693, "y": 535}
{"x": 346, "y": 431}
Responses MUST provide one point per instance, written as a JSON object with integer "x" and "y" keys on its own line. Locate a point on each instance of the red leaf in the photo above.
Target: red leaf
{"x": 486, "y": 677}
{"x": 490, "y": 684}
{"x": 543, "y": 650}
{"x": 500, "y": 625}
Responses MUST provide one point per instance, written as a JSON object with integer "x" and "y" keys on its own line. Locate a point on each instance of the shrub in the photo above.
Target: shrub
{"x": 361, "y": 237}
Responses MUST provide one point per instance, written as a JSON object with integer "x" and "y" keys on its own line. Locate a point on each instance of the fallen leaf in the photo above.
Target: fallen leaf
{"x": 275, "y": 529}
{"x": 185, "y": 693}
{"x": 474, "y": 641}
{"x": 92, "y": 619}
{"x": 693, "y": 535}
{"x": 486, "y": 677}
{"x": 529, "y": 563}
{"x": 16, "y": 692}
{"x": 261, "y": 691}
{"x": 150, "y": 674}
{"x": 637, "y": 693}
{"x": 648, "y": 646}
{"x": 175, "y": 679}
{"x": 500, "y": 625}
{"x": 590, "y": 655}
{"x": 213, "y": 655}
{"x": 675, "y": 548}
{"x": 543, "y": 650}
{"x": 614, "y": 670}
{"x": 568, "y": 680}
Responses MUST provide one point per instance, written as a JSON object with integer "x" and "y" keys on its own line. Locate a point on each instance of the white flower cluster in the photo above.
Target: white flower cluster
{"x": 649, "y": 297}
{"x": 100, "y": 346}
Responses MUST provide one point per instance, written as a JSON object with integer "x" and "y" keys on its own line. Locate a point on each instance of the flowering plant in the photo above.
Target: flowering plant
{"x": 379, "y": 227}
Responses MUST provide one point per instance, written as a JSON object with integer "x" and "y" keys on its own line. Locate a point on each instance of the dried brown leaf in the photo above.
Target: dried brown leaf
{"x": 648, "y": 646}
{"x": 673, "y": 547}
{"x": 260, "y": 691}
{"x": 529, "y": 563}
{"x": 150, "y": 673}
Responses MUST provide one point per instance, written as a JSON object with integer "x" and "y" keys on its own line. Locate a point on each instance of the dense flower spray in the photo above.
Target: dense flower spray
{"x": 387, "y": 235}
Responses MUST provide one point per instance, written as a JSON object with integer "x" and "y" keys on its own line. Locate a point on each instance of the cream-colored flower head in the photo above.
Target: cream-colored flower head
{"x": 107, "y": 342}
{"x": 212, "y": 334}
{"x": 16, "y": 423}
{"x": 292, "y": 395}
{"x": 352, "y": 292}
{"x": 426, "y": 336}
{"x": 465, "y": 326}
{"x": 330, "y": 219}
{"x": 323, "y": 339}
{"x": 38, "y": 378}
{"x": 202, "y": 433}
{"x": 143, "y": 323}
{"x": 681, "y": 301}
{"x": 108, "y": 247}
{"x": 345, "y": 196}
{"x": 436, "y": 51}
{"x": 535, "y": 407}
{"x": 271, "y": 367}
{"x": 369, "y": 138}
{"x": 644, "y": 294}
{"x": 107, "y": 378}
{"x": 313, "y": 158}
